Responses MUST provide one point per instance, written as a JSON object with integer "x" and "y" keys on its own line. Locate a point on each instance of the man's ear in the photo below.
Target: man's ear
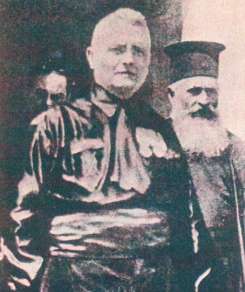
{"x": 90, "y": 57}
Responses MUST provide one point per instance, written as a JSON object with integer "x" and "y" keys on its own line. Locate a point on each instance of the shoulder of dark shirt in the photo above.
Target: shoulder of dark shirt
{"x": 80, "y": 108}
{"x": 145, "y": 116}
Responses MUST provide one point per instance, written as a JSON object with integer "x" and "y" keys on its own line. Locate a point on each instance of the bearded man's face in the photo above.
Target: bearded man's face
{"x": 195, "y": 115}
{"x": 195, "y": 97}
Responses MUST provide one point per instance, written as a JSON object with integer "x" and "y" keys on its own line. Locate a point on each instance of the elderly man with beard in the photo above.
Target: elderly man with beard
{"x": 216, "y": 160}
{"x": 97, "y": 205}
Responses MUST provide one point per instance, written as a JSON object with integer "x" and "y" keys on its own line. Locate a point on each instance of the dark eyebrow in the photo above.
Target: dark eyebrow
{"x": 195, "y": 90}
{"x": 117, "y": 46}
{"x": 211, "y": 89}
{"x": 117, "y": 49}
{"x": 139, "y": 49}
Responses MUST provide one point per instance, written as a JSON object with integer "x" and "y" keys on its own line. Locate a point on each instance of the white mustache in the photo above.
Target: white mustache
{"x": 197, "y": 107}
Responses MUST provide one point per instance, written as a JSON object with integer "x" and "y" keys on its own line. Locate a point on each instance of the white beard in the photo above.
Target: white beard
{"x": 201, "y": 136}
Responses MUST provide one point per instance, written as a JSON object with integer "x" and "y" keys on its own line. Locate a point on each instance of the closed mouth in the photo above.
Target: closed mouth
{"x": 126, "y": 73}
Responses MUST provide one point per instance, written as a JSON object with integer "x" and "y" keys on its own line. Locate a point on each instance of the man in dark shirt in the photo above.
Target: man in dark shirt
{"x": 103, "y": 202}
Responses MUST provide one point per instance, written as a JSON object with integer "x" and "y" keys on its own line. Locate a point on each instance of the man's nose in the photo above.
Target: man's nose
{"x": 128, "y": 57}
{"x": 203, "y": 98}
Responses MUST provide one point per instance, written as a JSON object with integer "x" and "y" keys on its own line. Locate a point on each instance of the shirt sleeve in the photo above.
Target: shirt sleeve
{"x": 25, "y": 255}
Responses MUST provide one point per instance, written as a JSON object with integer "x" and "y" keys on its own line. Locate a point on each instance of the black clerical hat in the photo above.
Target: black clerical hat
{"x": 193, "y": 58}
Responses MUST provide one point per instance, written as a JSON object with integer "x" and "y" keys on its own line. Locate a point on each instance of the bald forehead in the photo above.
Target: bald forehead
{"x": 119, "y": 23}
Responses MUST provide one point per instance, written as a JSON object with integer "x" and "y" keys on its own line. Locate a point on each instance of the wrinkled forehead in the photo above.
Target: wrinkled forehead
{"x": 53, "y": 82}
{"x": 197, "y": 81}
{"x": 116, "y": 29}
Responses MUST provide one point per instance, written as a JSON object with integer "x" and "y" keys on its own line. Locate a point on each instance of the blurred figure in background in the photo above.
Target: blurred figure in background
{"x": 52, "y": 83}
{"x": 52, "y": 89}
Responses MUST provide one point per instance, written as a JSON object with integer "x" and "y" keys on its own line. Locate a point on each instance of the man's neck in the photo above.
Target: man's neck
{"x": 108, "y": 101}
{"x": 105, "y": 100}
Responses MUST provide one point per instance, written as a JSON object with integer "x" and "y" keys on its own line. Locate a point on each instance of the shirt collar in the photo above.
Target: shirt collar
{"x": 104, "y": 100}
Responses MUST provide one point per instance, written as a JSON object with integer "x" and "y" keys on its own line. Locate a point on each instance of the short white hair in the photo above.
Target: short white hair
{"x": 127, "y": 15}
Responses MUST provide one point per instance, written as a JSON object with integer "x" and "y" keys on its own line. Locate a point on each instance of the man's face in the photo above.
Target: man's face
{"x": 120, "y": 58}
{"x": 195, "y": 97}
{"x": 195, "y": 116}
{"x": 52, "y": 88}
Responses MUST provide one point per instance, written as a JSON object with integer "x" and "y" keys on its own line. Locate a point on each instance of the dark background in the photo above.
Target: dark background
{"x": 30, "y": 30}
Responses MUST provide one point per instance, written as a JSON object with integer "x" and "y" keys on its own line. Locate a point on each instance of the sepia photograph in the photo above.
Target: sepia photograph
{"x": 122, "y": 135}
